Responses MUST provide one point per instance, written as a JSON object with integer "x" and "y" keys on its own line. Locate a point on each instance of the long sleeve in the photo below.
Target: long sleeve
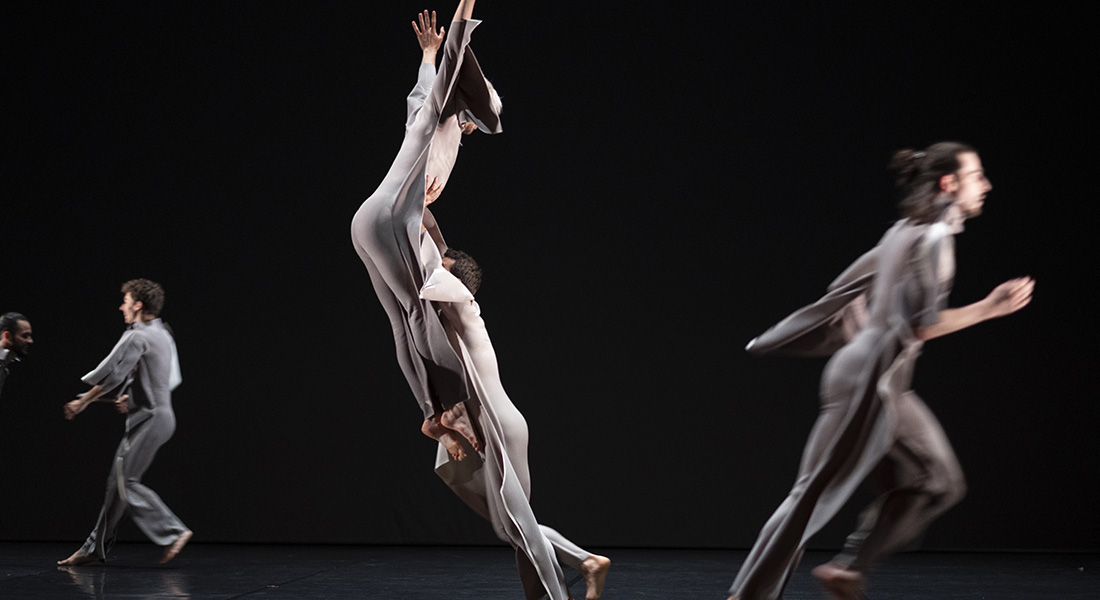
{"x": 825, "y": 326}
{"x": 935, "y": 268}
{"x": 424, "y": 78}
{"x": 457, "y": 39}
{"x": 461, "y": 85}
{"x": 118, "y": 365}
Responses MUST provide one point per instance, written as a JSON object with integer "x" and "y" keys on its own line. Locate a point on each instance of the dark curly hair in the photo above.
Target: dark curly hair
{"x": 149, "y": 293}
{"x": 918, "y": 176}
{"x": 465, "y": 269}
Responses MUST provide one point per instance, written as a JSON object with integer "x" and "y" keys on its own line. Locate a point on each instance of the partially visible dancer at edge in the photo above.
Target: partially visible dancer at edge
{"x": 16, "y": 340}
{"x": 145, "y": 356}
{"x": 872, "y": 426}
{"x": 386, "y": 230}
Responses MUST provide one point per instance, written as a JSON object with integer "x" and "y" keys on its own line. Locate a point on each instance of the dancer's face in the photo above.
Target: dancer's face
{"x": 970, "y": 185}
{"x": 131, "y": 310}
{"x": 19, "y": 339}
{"x": 448, "y": 262}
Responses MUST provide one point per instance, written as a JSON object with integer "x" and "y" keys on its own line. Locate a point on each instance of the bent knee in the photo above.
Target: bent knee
{"x": 950, "y": 487}
{"x": 956, "y": 490}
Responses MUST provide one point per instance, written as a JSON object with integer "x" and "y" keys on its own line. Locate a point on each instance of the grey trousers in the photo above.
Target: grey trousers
{"x": 919, "y": 477}
{"x": 918, "y": 480}
{"x": 480, "y": 484}
{"x": 514, "y": 426}
{"x": 126, "y": 494}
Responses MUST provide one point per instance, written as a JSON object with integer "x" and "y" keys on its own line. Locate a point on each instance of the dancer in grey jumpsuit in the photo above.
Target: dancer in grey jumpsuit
{"x": 386, "y": 230}
{"x": 497, "y": 483}
{"x": 872, "y": 426}
{"x": 145, "y": 355}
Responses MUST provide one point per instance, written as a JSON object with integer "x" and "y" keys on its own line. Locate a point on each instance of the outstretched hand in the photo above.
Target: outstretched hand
{"x": 122, "y": 403}
{"x": 1010, "y": 296}
{"x": 426, "y": 35}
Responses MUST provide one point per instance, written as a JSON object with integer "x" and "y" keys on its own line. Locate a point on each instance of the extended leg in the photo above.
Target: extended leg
{"x": 102, "y": 537}
{"x": 412, "y": 366}
{"x": 923, "y": 479}
{"x": 778, "y": 548}
{"x": 592, "y": 566}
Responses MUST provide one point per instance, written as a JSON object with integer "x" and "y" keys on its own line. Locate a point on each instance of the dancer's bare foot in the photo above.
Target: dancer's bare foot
{"x": 78, "y": 558}
{"x": 456, "y": 418}
{"x": 594, "y": 568}
{"x": 171, "y": 550}
{"x": 433, "y": 429}
{"x": 840, "y": 583}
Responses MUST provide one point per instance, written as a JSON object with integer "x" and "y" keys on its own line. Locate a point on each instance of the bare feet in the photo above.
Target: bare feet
{"x": 433, "y": 429}
{"x": 171, "y": 550}
{"x": 840, "y": 583}
{"x": 78, "y": 558}
{"x": 456, "y": 418}
{"x": 594, "y": 568}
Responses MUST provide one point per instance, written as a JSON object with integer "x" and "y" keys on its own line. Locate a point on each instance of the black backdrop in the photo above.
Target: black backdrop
{"x": 669, "y": 183}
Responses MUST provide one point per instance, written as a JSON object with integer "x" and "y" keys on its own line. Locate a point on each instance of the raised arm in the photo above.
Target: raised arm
{"x": 464, "y": 11}
{"x": 460, "y": 85}
{"x": 1005, "y": 299}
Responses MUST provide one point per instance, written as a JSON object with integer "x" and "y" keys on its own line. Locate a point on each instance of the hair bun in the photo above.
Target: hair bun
{"x": 905, "y": 164}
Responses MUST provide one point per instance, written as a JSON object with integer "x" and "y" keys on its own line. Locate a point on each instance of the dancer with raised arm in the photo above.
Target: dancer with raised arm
{"x": 386, "y": 230}
{"x": 145, "y": 355}
{"x": 398, "y": 241}
{"x": 872, "y": 426}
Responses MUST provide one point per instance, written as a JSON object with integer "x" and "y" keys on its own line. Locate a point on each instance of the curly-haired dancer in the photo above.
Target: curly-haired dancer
{"x": 145, "y": 355}
{"x": 876, "y": 317}
{"x": 496, "y": 482}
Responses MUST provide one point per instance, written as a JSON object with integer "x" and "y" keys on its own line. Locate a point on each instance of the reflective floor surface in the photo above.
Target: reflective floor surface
{"x": 217, "y": 571}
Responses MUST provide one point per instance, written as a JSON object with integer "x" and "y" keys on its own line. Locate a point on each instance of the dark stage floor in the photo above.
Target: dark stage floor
{"x": 207, "y": 572}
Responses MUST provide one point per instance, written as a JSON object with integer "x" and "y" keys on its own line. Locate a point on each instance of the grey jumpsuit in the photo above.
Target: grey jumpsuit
{"x": 497, "y": 483}
{"x": 386, "y": 229}
{"x": 145, "y": 355}
{"x": 872, "y": 426}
